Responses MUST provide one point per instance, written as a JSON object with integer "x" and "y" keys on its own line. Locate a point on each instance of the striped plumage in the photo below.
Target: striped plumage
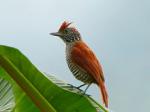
{"x": 77, "y": 71}
{"x": 81, "y": 61}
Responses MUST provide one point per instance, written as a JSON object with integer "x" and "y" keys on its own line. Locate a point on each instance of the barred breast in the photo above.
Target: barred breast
{"x": 78, "y": 72}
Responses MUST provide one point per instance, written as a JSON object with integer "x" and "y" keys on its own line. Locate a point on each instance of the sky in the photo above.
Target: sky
{"x": 118, "y": 31}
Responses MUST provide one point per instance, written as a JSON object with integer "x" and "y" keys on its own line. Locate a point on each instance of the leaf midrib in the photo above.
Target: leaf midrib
{"x": 25, "y": 84}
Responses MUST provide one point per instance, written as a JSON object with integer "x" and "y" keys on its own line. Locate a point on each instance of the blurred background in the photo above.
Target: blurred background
{"x": 118, "y": 31}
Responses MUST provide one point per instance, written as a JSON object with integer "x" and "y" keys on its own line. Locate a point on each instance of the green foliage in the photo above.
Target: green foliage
{"x": 35, "y": 92}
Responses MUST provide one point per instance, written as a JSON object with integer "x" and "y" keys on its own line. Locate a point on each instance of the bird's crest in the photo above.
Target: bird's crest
{"x": 64, "y": 26}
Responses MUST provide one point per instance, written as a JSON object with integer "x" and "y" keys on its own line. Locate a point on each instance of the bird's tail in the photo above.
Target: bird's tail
{"x": 104, "y": 93}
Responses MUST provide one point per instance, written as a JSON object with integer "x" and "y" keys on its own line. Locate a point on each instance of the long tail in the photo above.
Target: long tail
{"x": 104, "y": 93}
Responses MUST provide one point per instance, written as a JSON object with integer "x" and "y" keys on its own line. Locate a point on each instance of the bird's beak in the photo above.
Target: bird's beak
{"x": 56, "y": 34}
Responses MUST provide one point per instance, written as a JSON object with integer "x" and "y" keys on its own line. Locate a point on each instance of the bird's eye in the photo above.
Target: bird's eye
{"x": 66, "y": 31}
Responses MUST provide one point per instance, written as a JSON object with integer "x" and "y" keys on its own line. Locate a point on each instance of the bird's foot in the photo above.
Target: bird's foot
{"x": 78, "y": 87}
{"x": 70, "y": 85}
{"x": 83, "y": 93}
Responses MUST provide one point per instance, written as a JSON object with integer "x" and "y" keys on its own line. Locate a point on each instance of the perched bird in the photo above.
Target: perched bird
{"x": 81, "y": 61}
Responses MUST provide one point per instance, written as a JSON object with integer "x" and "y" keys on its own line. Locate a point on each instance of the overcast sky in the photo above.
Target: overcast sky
{"x": 118, "y": 31}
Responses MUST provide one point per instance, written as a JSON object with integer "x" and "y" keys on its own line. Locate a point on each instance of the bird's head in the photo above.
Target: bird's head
{"x": 67, "y": 34}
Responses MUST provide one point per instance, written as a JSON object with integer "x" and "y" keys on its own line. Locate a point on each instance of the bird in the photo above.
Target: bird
{"x": 81, "y": 60}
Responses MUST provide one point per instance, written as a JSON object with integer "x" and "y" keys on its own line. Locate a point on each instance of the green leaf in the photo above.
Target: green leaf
{"x": 33, "y": 91}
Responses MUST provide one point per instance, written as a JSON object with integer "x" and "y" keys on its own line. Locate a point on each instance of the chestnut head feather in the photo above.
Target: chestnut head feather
{"x": 67, "y": 34}
{"x": 64, "y": 26}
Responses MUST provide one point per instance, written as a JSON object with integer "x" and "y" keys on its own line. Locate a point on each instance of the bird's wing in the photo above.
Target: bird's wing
{"x": 83, "y": 56}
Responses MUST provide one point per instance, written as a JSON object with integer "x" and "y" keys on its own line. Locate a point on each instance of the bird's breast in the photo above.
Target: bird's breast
{"x": 77, "y": 71}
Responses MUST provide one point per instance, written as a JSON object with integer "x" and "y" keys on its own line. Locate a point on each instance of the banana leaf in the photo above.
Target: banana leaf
{"x": 23, "y": 88}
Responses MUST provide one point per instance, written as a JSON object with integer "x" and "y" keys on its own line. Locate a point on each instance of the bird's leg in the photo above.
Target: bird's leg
{"x": 70, "y": 85}
{"x": 84, "y": 93}
{"x": 81, "y": 86}
{"x": 76, "y": 87}
{"x": 86, "y": 88}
